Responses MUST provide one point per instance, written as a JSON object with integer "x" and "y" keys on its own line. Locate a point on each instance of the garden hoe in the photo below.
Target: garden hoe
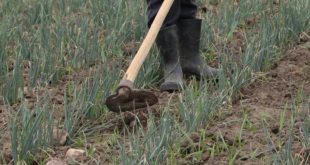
{"x": 127, "y": 98}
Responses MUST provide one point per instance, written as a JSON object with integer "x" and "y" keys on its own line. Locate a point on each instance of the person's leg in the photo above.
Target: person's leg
{"x": 188, "y": 9}
{"x": 191, "y": 61}
{"x": 153, "y": 7}
{"x": 167, "y": 42}
{"x": 189, "y": 34}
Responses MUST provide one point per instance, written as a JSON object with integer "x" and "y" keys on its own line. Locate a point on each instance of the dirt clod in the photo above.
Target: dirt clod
{"x": 130, "y": 48}
{"x": 305, "y": 153}
{"x": 275, "y": 129}
{"x": 288, "y": 95}
{"x": 60, "y": 136}
{"x": 304, "y": 38}
{"x": 276, "y": 2}
{"x": 7, "y": 157}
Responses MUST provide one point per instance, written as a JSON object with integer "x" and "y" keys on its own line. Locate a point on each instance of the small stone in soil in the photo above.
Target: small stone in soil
{"x": 74, "y": 153}
{"x": 56, "y": 162}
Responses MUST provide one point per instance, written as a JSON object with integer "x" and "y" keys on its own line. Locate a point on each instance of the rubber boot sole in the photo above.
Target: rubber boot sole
{"x": 171, "y": 87}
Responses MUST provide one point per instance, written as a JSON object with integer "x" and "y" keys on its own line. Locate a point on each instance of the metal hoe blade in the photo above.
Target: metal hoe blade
{"x": 127, "y": 100}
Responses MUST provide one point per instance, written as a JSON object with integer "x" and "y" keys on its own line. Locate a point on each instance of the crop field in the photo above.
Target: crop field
{"x": 60, "y": 60}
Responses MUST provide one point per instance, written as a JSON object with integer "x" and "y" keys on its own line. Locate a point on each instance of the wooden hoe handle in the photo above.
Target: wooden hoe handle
{"x": 133, "y": 70}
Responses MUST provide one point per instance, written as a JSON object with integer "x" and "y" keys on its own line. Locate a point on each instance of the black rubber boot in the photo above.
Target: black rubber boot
{"x": 191, "y": 61}
{"x": 167, "y": 42}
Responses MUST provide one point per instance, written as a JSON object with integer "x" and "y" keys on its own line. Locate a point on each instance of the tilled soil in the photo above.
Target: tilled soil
{"x": 258, "y": 114}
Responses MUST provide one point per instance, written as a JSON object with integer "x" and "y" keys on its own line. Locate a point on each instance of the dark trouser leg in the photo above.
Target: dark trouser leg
{"x": 188, "y": 9}
{"x": 167, "y": 42}
{"x": 181, "y": 9}
{"x": 172, "y": 17}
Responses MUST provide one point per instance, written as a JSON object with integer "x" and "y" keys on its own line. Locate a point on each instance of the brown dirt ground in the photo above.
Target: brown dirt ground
{"x": 263, "y": 102}
{"x": 265, "y": 98}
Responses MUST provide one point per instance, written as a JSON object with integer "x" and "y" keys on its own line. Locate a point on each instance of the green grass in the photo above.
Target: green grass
{"x": 58, "y": 38}
{"x": 30, "y": 131}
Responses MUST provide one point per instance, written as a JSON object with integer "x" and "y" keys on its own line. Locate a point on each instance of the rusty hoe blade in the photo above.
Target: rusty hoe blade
{"x": 128, "y": 99}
